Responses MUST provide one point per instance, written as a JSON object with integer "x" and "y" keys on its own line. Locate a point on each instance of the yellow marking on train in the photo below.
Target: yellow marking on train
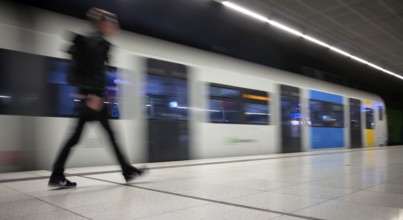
{"x": 369, "y": 137}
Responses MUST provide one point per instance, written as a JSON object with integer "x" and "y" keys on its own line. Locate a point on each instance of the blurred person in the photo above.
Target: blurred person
{"x": 90, "y": 57}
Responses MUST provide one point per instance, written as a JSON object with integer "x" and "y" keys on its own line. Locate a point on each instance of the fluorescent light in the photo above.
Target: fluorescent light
{"x": 316, "y": 41}
{"x": 359, "y": 59}
{"x": 245, "y": 11}
{"x": 283, "y": 27}
{"x": 307, "y": 37}
{"x": 337, "y": 50}
{"x": 260, "y": 17}
{"x": 5, "y": 97}
{"x": 385, "y": 70}
{"x": 375, "y": 66}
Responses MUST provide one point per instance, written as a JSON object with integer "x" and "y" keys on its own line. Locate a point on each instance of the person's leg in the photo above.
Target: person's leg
{"x": 57, "y": 178}
{"x": 105, "y": 124}
{"x": 129, "y": 172}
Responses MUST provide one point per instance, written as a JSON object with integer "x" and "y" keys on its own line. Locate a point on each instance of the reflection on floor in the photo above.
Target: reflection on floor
{"x": 335, "y": 184}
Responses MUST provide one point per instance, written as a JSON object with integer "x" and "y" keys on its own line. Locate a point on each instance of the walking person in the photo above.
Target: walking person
{"x": 90, "y": 57}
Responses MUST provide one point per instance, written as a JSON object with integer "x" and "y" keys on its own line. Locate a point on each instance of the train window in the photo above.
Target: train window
{"x": 164, "y": 98}
{"x": 255, "y": 106}
{"x": 112, "y": 91}
{"x": 355, "y": 114}
{"x": 326, "y": 114}
{"x": 37, "y": 85}
{"x": 238, "y": 105}
{"x": 256, "y": 113}
{"x": 62, "y": 96}
{"x": 22, "y": 83}
{"x": 380, "y": 113}
{"x": 220, "y": 92}
{"x": 222, "y": 111}
{"x": 369, "y": 117}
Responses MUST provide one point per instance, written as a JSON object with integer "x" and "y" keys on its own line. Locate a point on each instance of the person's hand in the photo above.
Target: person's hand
{"x": 95, "y": 102}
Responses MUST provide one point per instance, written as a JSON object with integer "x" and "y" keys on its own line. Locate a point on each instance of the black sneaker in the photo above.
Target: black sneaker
{"x": 61, "y": 182}
{"x": 133, "y": 173}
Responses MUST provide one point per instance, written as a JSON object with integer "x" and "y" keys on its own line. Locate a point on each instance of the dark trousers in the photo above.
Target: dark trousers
{"x": 86, "y": 115}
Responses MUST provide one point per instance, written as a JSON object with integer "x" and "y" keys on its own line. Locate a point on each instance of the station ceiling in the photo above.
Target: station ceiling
{"x": 369, "y": 29}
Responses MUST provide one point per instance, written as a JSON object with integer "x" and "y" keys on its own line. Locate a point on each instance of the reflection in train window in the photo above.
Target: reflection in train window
{"x": 62, "y": 98}
{"x": 326, "y": 114}
{"x": 369, "y": 117}
{"x": 256, "y": 113}
{"x": 22, "y": 84}
{"x": 37, "y": 85}
{"x": 290, "y": 110}
{"x": 221, "y": 92}
{"x": 380, "y": 110}
{"x": 355, "y": 115}
{"x": 224, "y": 111}
{"x": 230, "y": 104}
{"x": 166, "y": 98}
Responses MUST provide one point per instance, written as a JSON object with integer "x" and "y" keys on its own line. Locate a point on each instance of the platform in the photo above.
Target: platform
{"x": 332, "y": 184}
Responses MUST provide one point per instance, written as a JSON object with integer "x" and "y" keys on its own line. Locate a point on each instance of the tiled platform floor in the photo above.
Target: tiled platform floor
{"x": 334, "y": 184}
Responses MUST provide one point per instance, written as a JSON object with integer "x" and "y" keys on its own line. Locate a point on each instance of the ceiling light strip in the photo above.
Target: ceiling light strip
{"x": 307, "y": 37}
{"x": 316, "y": 41}
{"x": 285, "y": 28}
{"x": 342, "y": 52}
{"x": 245, "y": 11}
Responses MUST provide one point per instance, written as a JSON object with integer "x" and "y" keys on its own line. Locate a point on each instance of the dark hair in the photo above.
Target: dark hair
{"x": 96, "y": 15}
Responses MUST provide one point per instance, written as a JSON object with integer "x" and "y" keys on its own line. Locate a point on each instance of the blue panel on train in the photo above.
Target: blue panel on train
{"x": 326, "y": 134}
{"x": 325, "y": 97}
{"x": 327, "y": 138}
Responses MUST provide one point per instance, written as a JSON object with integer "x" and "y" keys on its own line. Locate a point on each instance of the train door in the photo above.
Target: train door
{"x": 369, "y": 124}
{"x": 290, "y": 119}
{"x": 355, "y": 123}
{"x": 167, "y": 100}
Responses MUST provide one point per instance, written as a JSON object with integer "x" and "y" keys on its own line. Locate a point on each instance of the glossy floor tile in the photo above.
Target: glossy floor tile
{"x": 215, "y": 212}
{"x": 276, "y": 202}
{"x": 328, "y": 184}
{"x": 375, "y": 198}
{"x": 26, "y": 207}
{"x": 313, "y": 191}
{"x": 351, "y": 211}
{"x": 135, "y": 208}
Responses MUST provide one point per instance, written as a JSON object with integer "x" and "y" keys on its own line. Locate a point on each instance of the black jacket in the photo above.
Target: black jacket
{"x": 90, "y": 57}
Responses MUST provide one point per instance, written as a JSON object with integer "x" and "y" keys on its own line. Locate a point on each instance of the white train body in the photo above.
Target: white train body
{"x": 36, "y": 140}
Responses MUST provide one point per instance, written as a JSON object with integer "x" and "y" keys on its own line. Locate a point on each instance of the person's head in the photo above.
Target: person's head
{"x": 105, "y": 22}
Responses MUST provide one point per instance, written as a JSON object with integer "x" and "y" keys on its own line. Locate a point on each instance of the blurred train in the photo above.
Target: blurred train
{"x": 167, "y": 102}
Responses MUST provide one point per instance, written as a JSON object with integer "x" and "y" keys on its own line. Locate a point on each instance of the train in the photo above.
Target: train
{"x": 167, "y": 102}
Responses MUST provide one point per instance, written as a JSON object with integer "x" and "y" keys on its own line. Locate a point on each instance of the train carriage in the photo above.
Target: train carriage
{"x": 167, "y": 101}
